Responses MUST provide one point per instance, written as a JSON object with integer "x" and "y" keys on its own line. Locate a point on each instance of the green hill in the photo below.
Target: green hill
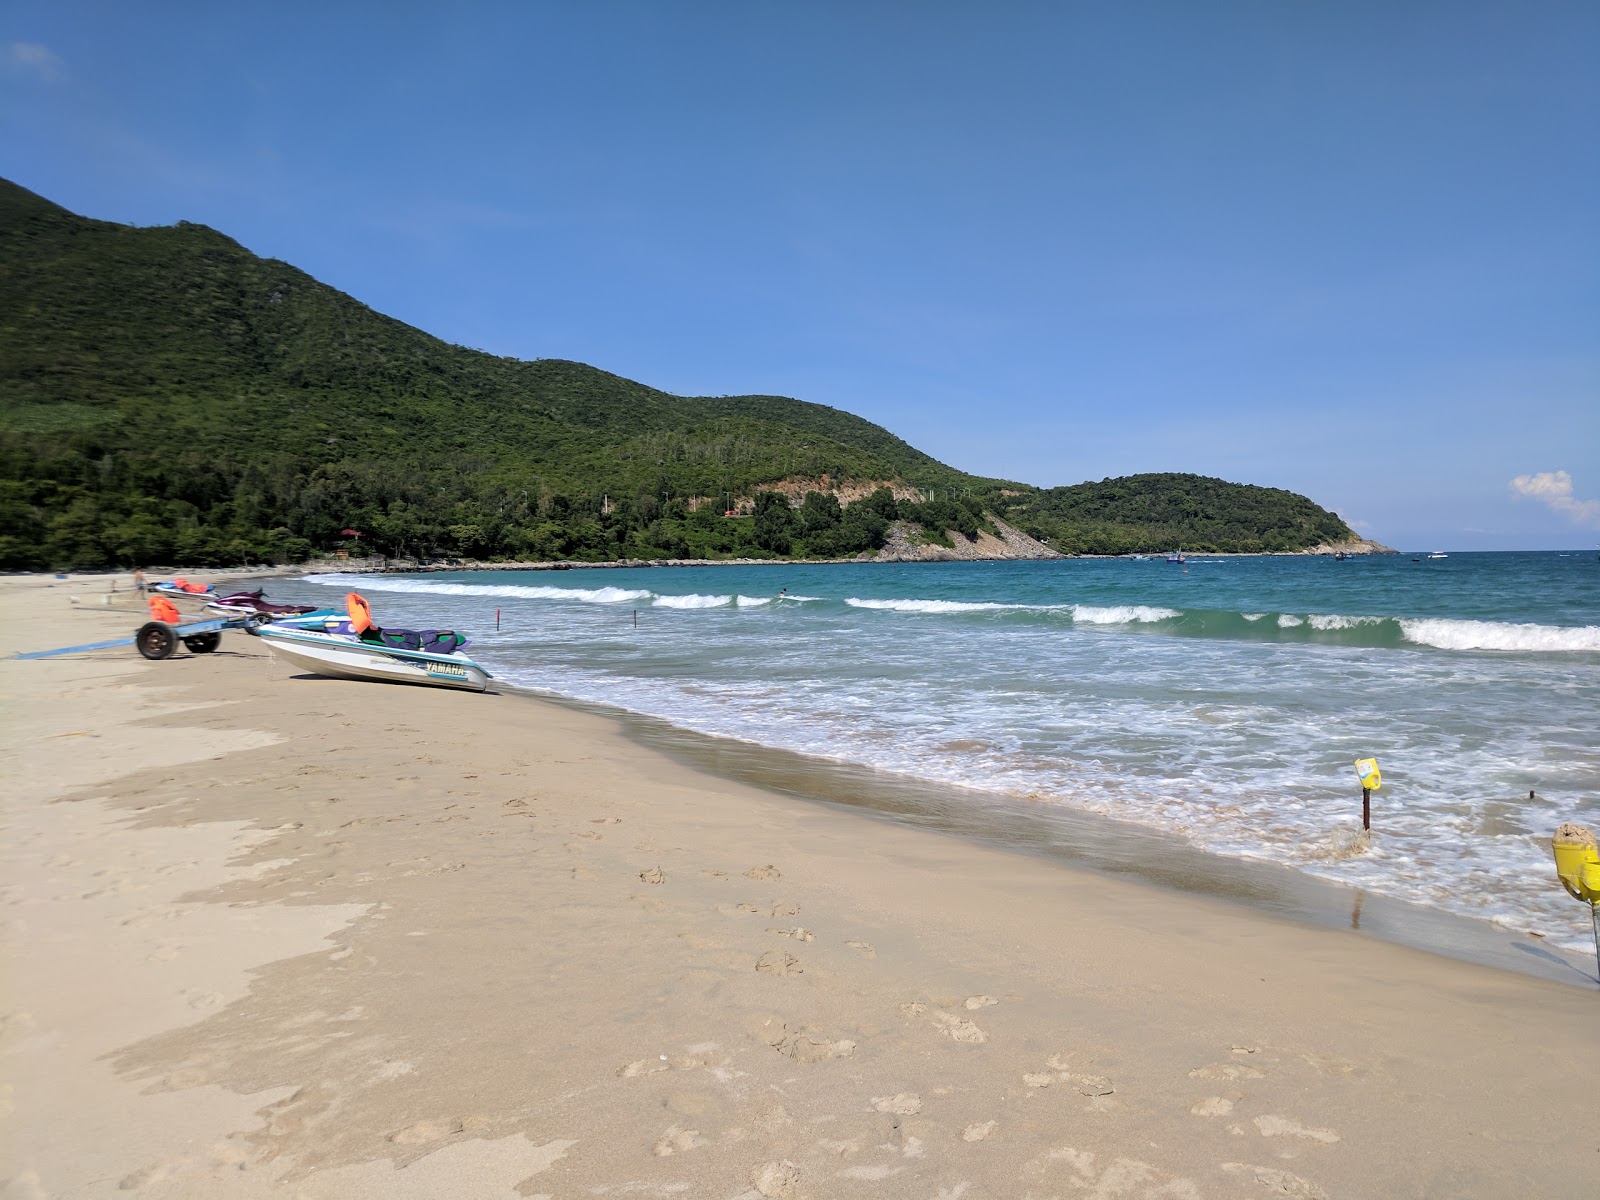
{"x": 169, "y": 397}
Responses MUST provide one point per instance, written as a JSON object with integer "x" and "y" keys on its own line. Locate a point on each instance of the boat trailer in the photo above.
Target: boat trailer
{"x": 157, "y": 639}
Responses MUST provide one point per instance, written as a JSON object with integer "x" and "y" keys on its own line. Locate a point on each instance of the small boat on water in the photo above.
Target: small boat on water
{"x": 1176, "y": 557}
{"x": 1438, "y": 554}
{"x": 326, "y": 643}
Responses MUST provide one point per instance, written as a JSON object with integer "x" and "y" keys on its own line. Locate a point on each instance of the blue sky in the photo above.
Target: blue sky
{"x": 1350, "y": 249}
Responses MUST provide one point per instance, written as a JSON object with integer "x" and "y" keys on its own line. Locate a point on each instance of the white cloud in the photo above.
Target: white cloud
{"x": 30, "y": 58}
{"x": 1554, "y": 489}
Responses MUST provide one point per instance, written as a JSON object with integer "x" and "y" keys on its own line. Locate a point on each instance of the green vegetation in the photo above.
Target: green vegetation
{"x": 1163, "y": 512}
{"x": 168, "y": 397}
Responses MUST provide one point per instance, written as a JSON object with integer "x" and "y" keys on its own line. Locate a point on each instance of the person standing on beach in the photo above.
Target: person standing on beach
{"x": 138, "y": 582}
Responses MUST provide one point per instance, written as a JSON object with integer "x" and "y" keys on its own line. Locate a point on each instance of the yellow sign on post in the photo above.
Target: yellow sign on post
{"x": 1367, "y": 769}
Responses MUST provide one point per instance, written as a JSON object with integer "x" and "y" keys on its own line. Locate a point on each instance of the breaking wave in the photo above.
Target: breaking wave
{"x": 1337, "y": 629}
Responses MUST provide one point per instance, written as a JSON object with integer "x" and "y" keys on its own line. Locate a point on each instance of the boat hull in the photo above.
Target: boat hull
{"x": 345, "y": 658}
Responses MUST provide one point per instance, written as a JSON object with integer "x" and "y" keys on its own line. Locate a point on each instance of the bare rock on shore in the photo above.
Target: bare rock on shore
{"x": 1353, "y": 546}
{"x": 907, "y": 544}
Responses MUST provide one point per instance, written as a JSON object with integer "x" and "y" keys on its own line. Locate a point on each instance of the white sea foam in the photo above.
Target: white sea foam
{"x": 1253, "y": 616}
{"x": 1285, "y": 621}
{"x": 754, "y": 601}
{"x": 1335, "y": 621}
{"x": 933, "y": 606}
{"x": 1497, "y": 635}
{"x": 510, "y": 591}
{"x": 1121, "y": 614}
{"x": 692, "y": 601}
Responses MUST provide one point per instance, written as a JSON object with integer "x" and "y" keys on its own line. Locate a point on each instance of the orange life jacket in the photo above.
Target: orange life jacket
{"x": 360, "y": 612}
{"x": 163, "y": 609}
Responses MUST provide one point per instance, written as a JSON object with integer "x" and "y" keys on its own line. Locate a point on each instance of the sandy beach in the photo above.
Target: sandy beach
{"x": 270, "y": 935}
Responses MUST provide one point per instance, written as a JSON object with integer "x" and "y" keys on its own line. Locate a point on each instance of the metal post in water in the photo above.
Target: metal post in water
{"x": 636, "y": 618}
{"x": 497, "y": 620}
{"x": 1366, "y": 808}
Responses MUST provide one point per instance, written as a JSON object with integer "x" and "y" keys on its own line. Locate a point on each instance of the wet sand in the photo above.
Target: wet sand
{"x": 273, "y": 935}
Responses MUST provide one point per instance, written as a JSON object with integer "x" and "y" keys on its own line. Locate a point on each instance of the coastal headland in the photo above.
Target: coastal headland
{"x": 272, "y": 935}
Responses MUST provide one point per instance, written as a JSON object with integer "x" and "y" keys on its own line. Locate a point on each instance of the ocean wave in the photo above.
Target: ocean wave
{"x": 1325, "y": 623}
{"x": 754, "y": 601}
{"x": 692, "y": 601}
{"x": 1121, "y": 614}
{"x": 938, "y": 606}
{"x": 1445, "y": 634}
{"x": 1290, "y": 621}
{"x": 509, "y": 591}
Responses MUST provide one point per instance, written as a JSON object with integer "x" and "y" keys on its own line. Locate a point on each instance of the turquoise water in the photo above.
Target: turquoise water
{"x": 1223, "y": 700}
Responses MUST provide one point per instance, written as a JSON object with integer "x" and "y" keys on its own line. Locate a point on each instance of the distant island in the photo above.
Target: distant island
{"x": 171, "y": 398}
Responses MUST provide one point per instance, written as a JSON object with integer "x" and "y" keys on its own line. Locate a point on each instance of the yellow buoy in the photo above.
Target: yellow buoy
{"x": 1577, "y": 855}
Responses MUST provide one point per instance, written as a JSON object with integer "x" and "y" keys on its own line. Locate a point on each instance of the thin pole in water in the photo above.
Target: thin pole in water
{"x": 636, "y": 618}
{"x": 1366, "y": 808}
{"x": 497, "y": 620}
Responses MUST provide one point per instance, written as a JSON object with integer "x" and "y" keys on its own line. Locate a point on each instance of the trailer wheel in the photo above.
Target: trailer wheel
{"x": 156, "y": 640}
{"x": 203, "y": 643}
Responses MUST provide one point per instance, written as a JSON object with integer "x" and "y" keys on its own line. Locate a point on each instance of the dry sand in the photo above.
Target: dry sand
{"x": 269, "y": 935}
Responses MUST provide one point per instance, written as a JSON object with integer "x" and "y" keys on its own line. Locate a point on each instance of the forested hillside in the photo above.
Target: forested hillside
{"x": 168, "y": 397}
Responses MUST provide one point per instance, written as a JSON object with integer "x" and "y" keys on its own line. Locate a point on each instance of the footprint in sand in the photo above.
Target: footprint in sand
{"x": 676, "y": 1141}
{"x": 978, "y": 1130}
{"x": 1212, "y": 1106}
{"x": 777, "y": 962}
{"x": 776, "y": 1179}
{"x": 589, "y": 835}
{"x": 606, "y": 821}
{"x": 642, "y": 1066}
{"x": 798, "y": 934}
{"x": 784, "y": 908}
{"x": 767, "y": 872}
{"x": 1283, "y": 1127}
{"x": 801, "y": 1045}
{"x": 956, "y": 1028}
{"x": 653, "y": 875}
{"x": 1233, "y": 1071}
{"x": 904, "y": 1104}
{"x": 1279, "y": 1183}
{"x": 973, "y": 1003}
{"x": 866, "y": 948}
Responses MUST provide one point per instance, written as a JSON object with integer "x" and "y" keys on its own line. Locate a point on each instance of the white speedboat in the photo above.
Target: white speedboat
{"x": 345, "y": 656}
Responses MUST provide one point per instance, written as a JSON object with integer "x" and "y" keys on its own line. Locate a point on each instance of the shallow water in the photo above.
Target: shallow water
{"x": 1221, "y": 701}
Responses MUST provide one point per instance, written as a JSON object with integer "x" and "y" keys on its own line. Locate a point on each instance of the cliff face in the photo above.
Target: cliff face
{"x": 1350, "y": 546}
{"x": 906, "y": 545}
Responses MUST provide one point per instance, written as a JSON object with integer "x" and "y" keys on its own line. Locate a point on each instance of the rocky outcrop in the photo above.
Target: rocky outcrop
{"x": 907, "y": 544}
{"x": 1353, "y": 546}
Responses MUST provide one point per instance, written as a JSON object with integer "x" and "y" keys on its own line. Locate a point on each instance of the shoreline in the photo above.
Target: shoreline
{"x": 1099, "y": 843}
{"x": 282, "y": 936}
